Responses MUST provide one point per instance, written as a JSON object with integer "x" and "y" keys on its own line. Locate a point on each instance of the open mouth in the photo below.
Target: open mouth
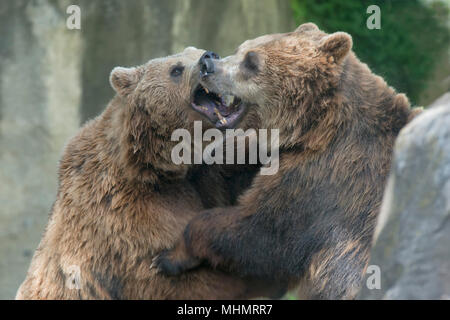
{"x": 224, "y": 111}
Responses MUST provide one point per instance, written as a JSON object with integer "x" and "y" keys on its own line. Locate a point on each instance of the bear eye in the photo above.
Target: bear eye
{"x": 251, "y": 61}
{"x": 176, "y": 71}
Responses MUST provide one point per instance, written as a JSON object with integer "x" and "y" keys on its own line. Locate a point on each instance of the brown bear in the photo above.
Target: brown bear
{"x": 121, "y": 199}
{"x": 312, "y": 222}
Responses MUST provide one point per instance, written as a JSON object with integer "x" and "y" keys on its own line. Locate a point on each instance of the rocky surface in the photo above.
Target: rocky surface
{"x": 53, "y": 79}
{"x": 412, "y": 240}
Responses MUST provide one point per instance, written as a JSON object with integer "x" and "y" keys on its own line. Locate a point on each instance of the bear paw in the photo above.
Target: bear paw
{"x": 168, "y": 264}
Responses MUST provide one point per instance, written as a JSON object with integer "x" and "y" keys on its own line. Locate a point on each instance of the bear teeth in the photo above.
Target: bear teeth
{"x": 219, "y": 115}
{"x": 228, "y": 100}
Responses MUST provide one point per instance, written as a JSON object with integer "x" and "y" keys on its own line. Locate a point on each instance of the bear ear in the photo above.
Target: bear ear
{"x": 124, "y": 80}
{"x": 337, "y": 45}
{"x": 309, "y": 26}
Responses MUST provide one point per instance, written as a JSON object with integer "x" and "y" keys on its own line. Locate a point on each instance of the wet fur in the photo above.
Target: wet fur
{"x": 121, "y": 200}
{"x": 312, "y": 223}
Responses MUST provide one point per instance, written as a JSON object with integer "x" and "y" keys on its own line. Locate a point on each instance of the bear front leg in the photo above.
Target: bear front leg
{"x": 216, "y": 236}
{"x": 194, "y": 246}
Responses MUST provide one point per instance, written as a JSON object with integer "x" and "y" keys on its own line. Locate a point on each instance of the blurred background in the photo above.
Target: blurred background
{"x": 53, "y": 79}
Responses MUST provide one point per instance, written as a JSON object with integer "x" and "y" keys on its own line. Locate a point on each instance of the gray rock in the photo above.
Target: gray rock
{"x": 53, "y": 79}
{"x": 412, "y": 238}
{"x": 443, "y": 100}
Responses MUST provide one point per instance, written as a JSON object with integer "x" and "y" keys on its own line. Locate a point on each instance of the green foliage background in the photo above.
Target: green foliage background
{"x": 413, "y": 37}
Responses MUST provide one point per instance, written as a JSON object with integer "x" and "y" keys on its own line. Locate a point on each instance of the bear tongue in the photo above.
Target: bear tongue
{"x": 230, "y": 120}
{"x": 228, "y": 104}
{"x": 206, "y": 105}
{"x": 224, "y": 109}
{"x": 208, "y": 109}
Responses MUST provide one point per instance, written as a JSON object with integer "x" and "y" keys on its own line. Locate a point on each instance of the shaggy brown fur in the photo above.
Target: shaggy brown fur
{"x": 121, "y": 200}
{"x": 313, "y": 221}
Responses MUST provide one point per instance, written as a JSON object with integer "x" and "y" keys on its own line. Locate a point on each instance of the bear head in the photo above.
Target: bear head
{"x": 281, "y": 76}
{"x": 152, "y": 101}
